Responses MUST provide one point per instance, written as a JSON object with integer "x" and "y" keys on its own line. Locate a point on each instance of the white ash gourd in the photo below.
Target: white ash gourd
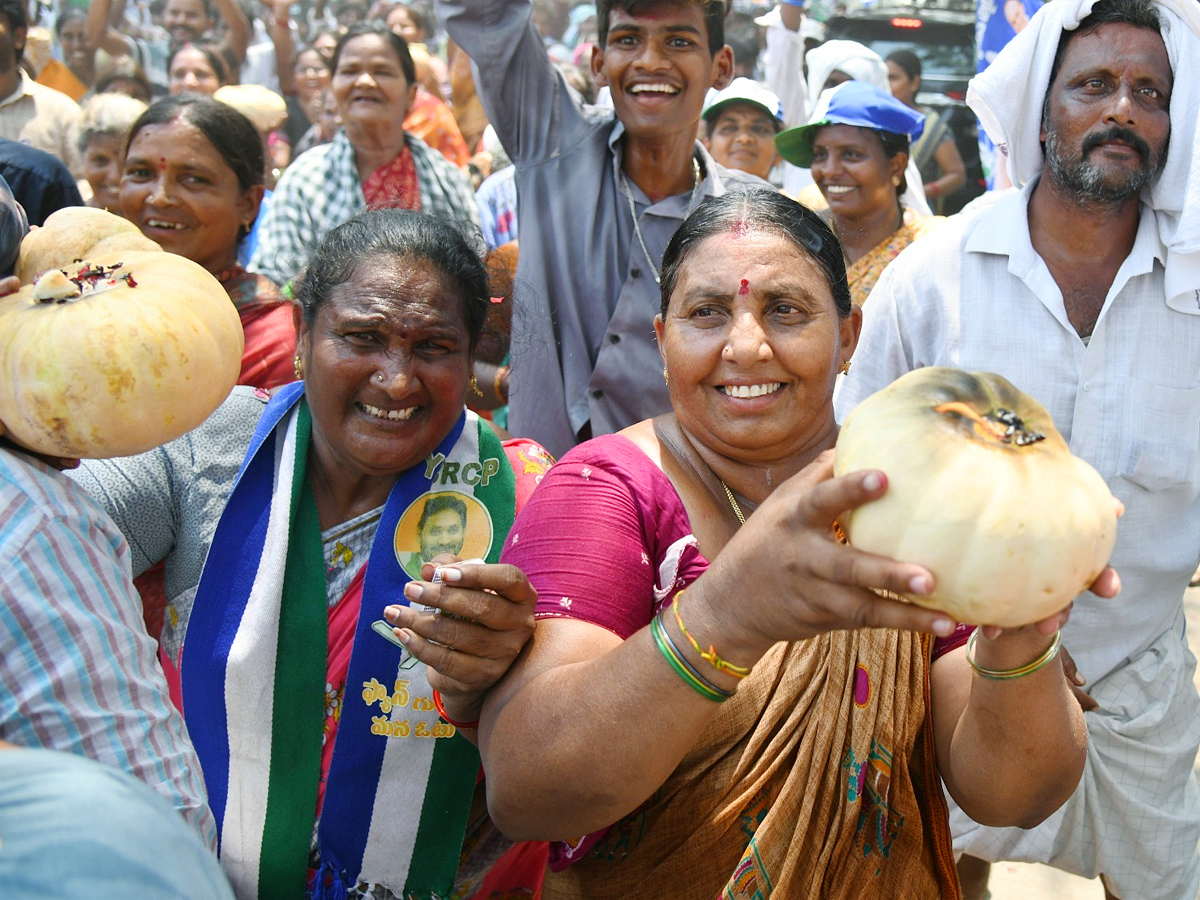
{"x": 983, "y": 491}
{"x": 115, "y": 354}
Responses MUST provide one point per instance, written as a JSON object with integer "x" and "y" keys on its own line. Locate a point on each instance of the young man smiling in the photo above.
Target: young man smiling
{"x": 601, "y": 193}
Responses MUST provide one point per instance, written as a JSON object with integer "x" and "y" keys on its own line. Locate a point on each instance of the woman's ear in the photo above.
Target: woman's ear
{"x": 851, "y": 328}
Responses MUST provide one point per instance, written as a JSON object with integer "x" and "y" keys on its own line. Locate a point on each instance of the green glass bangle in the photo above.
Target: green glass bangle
{"x": 678, "y": 654}
{"x": 681, "y": 666}
{"x": 1019, "y": 672}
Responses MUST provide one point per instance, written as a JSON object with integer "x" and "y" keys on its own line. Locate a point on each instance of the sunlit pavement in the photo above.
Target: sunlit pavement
{"x": 1019, "y": 881}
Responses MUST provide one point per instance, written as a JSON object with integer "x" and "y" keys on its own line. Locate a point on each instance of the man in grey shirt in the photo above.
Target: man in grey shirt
{"x": 600, "y": 193}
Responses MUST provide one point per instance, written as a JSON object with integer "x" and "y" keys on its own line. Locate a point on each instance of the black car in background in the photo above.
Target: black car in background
{"x": 944, "y": 39}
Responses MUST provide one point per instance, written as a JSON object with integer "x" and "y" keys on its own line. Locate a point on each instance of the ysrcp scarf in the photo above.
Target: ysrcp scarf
{"x": 400, "y": 781}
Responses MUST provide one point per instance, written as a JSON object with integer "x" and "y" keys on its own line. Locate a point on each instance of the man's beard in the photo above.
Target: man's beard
{"x": 1093, "y": 182}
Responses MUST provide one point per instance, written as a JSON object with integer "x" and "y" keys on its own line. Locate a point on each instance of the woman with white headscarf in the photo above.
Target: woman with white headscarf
{"x": 829, "y": 65}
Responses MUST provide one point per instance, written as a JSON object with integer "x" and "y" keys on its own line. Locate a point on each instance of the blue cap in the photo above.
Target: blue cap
{"x": 850, "y": 103}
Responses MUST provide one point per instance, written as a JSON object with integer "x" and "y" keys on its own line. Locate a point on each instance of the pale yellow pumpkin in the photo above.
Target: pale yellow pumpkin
{"x": 116, "y": 355}
{"x": 983, "y": 491}
{"x": 75, "y": 233}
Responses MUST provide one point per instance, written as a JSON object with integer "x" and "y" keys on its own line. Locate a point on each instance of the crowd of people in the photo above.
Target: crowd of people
{"x": 359, "y": 635}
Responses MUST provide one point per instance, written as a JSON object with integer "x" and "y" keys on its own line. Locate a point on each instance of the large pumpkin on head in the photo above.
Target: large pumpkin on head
{"x": 116, "y": 354}
{"x": 75, "y": 233}
{"x": 983, "y": 491}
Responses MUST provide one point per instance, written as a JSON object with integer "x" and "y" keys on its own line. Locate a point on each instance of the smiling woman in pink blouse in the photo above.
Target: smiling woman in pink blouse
{"x": 722, "y": 703}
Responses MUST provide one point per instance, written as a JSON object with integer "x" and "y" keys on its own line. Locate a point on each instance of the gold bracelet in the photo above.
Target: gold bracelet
{"x": 1020, "y": 671}
{"x": 710, "y": 655}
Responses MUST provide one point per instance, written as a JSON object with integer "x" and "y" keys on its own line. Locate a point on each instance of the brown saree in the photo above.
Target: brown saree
{"x": 817, "y": 780}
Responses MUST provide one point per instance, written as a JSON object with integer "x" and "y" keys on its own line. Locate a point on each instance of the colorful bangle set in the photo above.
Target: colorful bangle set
{"x": 682, "y": 667}
{"x": 710, "y": 656}
{"x": 679, "y": 662}
{"x": 1020, "y": 671}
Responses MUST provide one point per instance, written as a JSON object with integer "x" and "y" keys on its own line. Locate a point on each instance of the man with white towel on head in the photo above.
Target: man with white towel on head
{"x": 1083, "y": 289}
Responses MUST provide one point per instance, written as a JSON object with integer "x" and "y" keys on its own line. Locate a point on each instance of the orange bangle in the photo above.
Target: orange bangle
{"x": 437, "y": 701}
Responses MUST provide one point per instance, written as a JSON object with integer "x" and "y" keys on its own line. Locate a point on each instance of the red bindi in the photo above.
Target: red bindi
{"x": 745, "y": 288}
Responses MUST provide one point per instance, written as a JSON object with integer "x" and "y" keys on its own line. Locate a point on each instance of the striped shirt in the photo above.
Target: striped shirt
{"x": 321, "y": 190}
{"x": 77, "y": 668}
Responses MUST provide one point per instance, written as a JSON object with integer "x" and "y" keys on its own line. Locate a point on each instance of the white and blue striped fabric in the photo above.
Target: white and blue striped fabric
{"x": 77, "y": 668}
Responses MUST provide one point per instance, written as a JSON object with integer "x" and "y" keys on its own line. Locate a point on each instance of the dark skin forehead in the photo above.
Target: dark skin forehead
{"x": 1108, "y": 48}
{"x": 655, "y": 13}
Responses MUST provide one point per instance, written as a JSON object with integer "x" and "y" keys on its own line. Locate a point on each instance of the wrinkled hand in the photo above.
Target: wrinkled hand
{"x": 486, "y": 619}
{"x": 790, "y": 579}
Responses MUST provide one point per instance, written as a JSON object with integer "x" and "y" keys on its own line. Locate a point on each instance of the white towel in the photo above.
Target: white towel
{"x": 1008, "y": 98}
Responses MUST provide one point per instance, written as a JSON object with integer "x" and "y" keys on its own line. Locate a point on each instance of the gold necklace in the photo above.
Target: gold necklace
{"x": 637, "y": 229}
{"x": 737, "y": 510}
{"x": 838, "y": 533}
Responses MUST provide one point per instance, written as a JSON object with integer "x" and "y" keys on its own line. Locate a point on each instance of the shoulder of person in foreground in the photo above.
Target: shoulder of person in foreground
{"x": 76, "y": 828}
{"x": 84, "y": 676}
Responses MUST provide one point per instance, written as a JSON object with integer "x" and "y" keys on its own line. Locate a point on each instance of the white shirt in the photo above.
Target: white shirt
{"x": 978, "y": 297}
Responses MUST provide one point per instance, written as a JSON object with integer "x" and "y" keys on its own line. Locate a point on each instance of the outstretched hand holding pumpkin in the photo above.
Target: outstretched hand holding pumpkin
{"x": 784, "y": 576}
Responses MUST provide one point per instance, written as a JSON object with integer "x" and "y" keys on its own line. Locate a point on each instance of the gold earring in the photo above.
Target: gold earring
{"x": 895, "y": 181}
{"x": 299, "y": 367}
{"x": 475, "y": 385}
{"x": 844, "y": 368}
{"x": 666, "y": 377}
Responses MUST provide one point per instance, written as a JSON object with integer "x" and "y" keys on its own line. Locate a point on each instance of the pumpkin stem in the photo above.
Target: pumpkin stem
{"x": 1001, "y": 425}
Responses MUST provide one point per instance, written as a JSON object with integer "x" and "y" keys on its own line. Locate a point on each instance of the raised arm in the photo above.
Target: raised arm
{"x": 526, "y": 100}
{"x": 285, "y": 51}
{"x": 239, "y": 28}
{"x": 101, "y": 34}
{"x": 785, "y": 63}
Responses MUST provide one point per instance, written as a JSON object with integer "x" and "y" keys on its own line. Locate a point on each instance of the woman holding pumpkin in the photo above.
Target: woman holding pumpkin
{"x": 819, "y": 775}
{"x": 856, "y": 144}
{"x": 372, "y": 163}
{"x": 310, "y": 695}
{"x": 193, "y": 182}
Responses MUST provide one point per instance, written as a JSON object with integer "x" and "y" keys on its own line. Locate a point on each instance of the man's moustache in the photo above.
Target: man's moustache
{"x": 1116, "y": 133}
